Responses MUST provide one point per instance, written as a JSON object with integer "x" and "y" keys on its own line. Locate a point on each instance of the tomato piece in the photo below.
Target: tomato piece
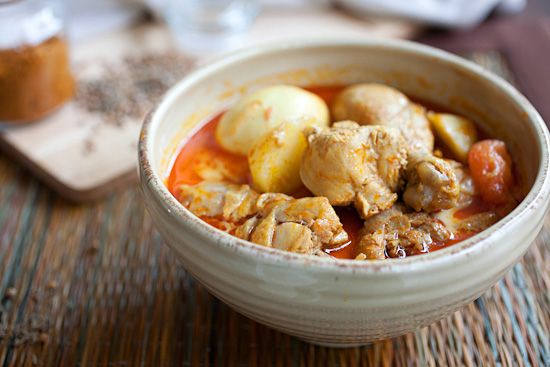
{"x": 491, "y": 168}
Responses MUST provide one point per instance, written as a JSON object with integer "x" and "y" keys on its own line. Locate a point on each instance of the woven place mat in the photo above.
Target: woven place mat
{"x": 95, "y": 286}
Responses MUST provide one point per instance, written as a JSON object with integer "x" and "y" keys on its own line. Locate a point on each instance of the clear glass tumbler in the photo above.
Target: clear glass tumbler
{"x": 210, "y": 26}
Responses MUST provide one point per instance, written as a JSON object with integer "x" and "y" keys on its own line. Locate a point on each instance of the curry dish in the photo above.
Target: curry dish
{"x": 359, "y": 172}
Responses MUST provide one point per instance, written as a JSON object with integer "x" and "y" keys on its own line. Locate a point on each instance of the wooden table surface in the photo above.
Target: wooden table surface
{"x": 93, "y": 285}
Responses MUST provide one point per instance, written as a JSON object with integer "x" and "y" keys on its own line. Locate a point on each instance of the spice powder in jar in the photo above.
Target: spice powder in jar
{"x": 35, "y": 76}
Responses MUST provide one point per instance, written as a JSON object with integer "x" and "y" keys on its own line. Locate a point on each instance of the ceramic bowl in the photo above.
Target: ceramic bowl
{"x": 346, "y": 302}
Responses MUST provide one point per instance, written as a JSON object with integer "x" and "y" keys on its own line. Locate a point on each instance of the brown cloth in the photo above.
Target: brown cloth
{"x": 523, "y": 40}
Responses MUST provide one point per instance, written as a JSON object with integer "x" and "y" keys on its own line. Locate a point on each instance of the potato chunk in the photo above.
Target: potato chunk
{"x": 256, "y": 114}
{"x": 275, "y": 159}
{"x": 456, "y": 132}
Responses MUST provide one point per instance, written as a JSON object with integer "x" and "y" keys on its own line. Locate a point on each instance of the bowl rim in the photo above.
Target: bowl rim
{"x": 537, "y": 197}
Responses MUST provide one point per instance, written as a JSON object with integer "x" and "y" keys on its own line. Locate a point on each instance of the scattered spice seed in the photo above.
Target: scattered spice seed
{"x": 130, "y": 89}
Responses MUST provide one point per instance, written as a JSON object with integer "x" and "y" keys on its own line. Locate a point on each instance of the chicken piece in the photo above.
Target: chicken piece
{"x": 211, "y": 199}
{"x": 478, "y": 222}
{"x": 475, "y": 222}
{"x": 377, "y": 104}
{"x": 274, "y": 220}
{"x": 355, "y": 164}
{"x": 299, "y": 225}
{"x": 394, "y": 233}
{"x": 466, "y": 183}
{"x": 378, "y": 229}
{"x": 432, "y": 184}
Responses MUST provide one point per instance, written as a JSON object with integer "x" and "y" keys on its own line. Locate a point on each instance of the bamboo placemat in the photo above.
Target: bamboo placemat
{"x": 94, "y": 285}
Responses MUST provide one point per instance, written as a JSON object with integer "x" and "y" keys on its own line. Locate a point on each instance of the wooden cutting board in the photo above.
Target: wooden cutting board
{"x": 81, "y": 152}
{"x": 84, "y": 154}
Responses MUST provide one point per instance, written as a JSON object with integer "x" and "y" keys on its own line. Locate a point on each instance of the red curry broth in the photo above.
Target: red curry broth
{"x": 203, "y": 149}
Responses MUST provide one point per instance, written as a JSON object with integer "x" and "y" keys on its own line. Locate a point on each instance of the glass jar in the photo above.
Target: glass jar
{"x": 35, "y": 76}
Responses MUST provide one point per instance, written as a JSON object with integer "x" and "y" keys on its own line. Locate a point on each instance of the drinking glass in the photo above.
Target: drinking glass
{"x": 209, "y": 26}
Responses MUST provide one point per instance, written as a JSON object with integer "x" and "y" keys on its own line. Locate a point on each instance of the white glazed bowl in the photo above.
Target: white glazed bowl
{"x": 344, "y": 302}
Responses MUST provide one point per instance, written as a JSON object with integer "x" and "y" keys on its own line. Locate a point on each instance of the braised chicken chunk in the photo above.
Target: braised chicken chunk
{"x": 466, "y": 184}
{"x": 478, "y": 222}
{"x": 352, "y": 164}
{"x": 299, "y": 225}
{"x": 213, "y": 199}
{"x": 273, "y": 220}
{"x": 377, "y": 104}
{"x": 396, "y": 233}
{"x": 432, "y": 184}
